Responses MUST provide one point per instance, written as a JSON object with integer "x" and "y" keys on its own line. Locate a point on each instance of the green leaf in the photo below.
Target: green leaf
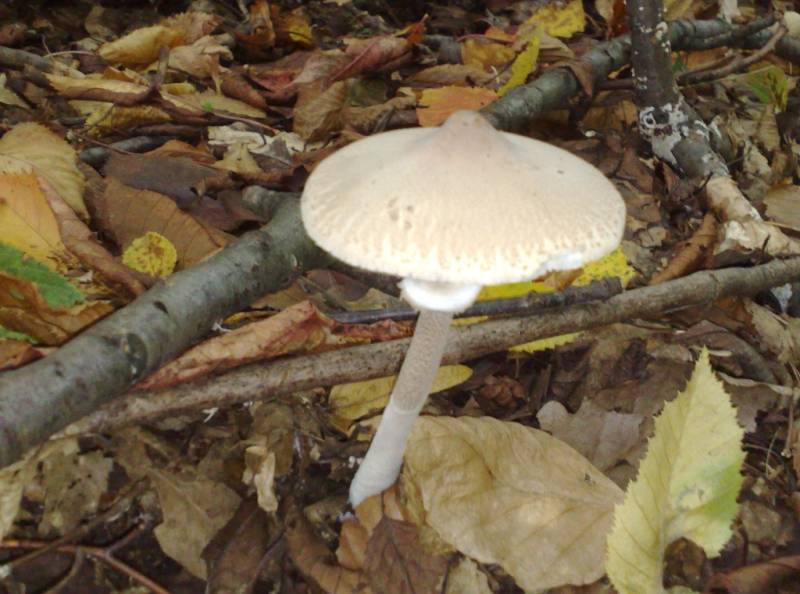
{"x": 7, "y": 334}
{"x": 686, "y": 487}
{"x": 54, "y": 288}
{"x": 770, "y": 86}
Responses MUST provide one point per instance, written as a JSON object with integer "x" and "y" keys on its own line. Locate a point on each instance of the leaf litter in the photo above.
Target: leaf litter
{"x": 512, "y": 477}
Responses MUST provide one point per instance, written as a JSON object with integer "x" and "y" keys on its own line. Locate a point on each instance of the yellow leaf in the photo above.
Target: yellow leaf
{"x": 560, "y": 20}
{"x": 613, "y": 265}
{"x": 152, "y": 254}
{"x": 686, "y": 487}
{"x": 524, "y": 64}
{"x": 27, "y": 222}
{"x": 53, "y": 159}
{"x": 544, "y": 344}
{"x": 436, "y": 105}
{"x": 349, "y": 402}
{"x": 487, "y": 56}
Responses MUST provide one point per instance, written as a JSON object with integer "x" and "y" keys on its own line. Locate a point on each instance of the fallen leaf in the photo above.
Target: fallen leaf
{"x": 783, "y": 206}
{"x": 396, "y": 563}
{"x": 524, "y": 64}
{"x": 51, "y": 157}
{"x": 314, "y": 560}
{"x": 300, "y": 328}
{"x": 14, "y": 478}
{"x": 349, "y": 402}
{"x": 604, "y": 437}
{"x": 194, "y": 508}
{"x": 39, "y": 302}
{"x": 486, "y": 56}
{"x": 465, "y": 577}
{"x": 436, "y": 105}
{"x": 27, "y": 222}
{"x": 141, "y": 46}
{"x": 127, "y": 213}
{"x": 503, "y": 493}
{"x": 560, "y": 19}
{"x": 686, "y": 487}
{"x": 151, "y": 254}
{"x": 317, "y": 112}
{"x": 73, "y": 487}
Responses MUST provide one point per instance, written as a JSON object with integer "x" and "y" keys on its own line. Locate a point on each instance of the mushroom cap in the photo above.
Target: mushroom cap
{"x": 462, "y": 203}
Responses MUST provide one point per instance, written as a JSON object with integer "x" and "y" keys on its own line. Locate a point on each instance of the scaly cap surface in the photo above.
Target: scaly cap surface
{"x": 462, "y": 203}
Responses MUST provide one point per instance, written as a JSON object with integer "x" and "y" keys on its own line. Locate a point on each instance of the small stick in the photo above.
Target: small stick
{"x": 104, "y": 555}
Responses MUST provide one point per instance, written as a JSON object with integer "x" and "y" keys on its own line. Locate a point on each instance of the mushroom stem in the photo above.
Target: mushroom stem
{"x": 384, "y": 458}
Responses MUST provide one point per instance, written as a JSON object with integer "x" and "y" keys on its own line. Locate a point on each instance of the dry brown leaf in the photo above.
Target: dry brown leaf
{"x": 603, "y": 437}
{"x": 396, "y": 563}
{"x": 365, "y": 55}
{"x": 235, "y": 556}
{"x": 80, "y": 241}
{"x": 103, "y": 117}
{"x": 194, "y": 508}
{"x": 126, "y": 213}
{"x": 142, "y": 46}
{"x": 446, "y": 75}
{"x": 507, "y": 494}
{"x": 16, "y": 353}
{"x": 15, "y": 478}
{"x": 73, "y": 486}
{"x": 466, "y": 578}
{"x": 314, "y": 560}
{"x": 783, "y": 206}
{"x": 300, "y": 328}
{"x": 200, "y": 59}
{"x": 209, "y": 101}
{"x": 51, "y": 157}
{"x": 119, "y": 92}
{"x": 318, "y": 109}
{"x": 180, "y": 177}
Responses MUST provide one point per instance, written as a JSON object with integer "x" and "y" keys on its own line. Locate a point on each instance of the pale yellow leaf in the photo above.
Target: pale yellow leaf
{"x": 349, "y": 402}
{"x": 686, "y": 487}
{"x": 560, "y": 19}
{"x": 51, "y": 157}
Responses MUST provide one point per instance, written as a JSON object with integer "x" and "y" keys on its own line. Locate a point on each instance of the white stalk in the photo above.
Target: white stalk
{"x": 381, "y": 466}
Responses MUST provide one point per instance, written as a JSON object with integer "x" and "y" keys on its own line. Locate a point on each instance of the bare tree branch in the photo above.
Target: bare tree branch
{"x": 100, "y": 364}
{"x": 259, "y": 381}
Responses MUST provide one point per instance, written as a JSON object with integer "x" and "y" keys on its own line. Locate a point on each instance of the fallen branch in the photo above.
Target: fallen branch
{"x": 277, "y": 378}
{"x": 102, "y": 363}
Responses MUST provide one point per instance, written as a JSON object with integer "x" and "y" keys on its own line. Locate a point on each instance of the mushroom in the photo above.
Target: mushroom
{"x": 451, "y": 209}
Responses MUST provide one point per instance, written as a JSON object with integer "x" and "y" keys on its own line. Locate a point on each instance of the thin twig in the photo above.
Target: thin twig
{"x": 736, "y": 65}
{"x": 133, "y": 491}
{"x": 101, "y": 554}
{"x": 276, "y": 378}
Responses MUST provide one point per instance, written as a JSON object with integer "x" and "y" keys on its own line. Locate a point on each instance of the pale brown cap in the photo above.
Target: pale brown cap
{"x": 462, "y": 203}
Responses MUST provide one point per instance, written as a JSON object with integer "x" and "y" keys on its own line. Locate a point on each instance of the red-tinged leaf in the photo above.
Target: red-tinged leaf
{"x": 300, "y": 328}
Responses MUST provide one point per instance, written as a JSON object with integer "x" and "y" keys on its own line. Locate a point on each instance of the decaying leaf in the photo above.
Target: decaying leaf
{"x": 686, "y": 487}
{"x": 152, "y": 254}
{"x": 604, "y": 437}
{"x": 535, "y": 506}
{"x": 298, "y": 328}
